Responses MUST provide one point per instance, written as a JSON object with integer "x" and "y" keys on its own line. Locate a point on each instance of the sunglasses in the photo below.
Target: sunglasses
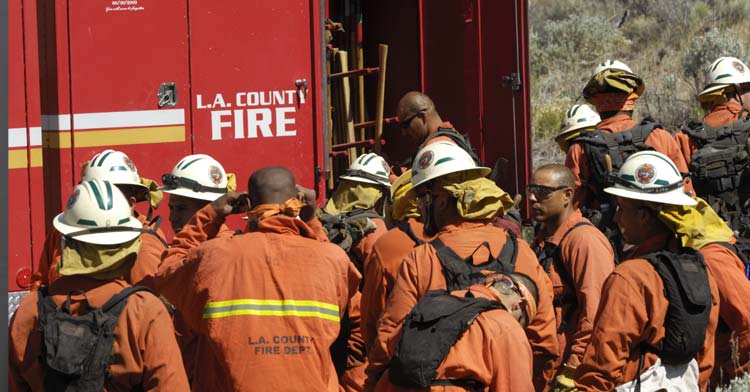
{"x": 541, "y": 192}
{"x": 407, "y": 122}
{"x": 505, "y": 283}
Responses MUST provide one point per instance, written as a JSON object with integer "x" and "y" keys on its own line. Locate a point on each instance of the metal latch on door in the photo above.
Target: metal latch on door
{"x": 167, "y": 94}
{"x": 301, "y": 89}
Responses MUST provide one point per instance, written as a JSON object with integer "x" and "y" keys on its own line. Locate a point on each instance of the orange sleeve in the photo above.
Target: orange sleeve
{"x": 148, "y": 260}
{"x": 402, "y": 299}
{"x": 591, "y": 261}
{"x": 511, "y": 361}
{"x": 734, "y": 288}
{"x": 24, "y": 347}
{"x": 374, "y": 295}
{"x": 356, "y": 343}
{"x": 686, "y": 147}
{"x": 621, "y": 320}
{"x": 574, "y": 160}
{"x": 46, "y": 270}
{"x": 163, "y": 369}
{"x": 707, "y": 357}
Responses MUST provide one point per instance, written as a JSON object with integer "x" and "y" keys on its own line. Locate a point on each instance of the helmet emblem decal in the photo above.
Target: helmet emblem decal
{"x": 215, "y": 174}
{"x": 129, "y": 163}
{"x": 645, "y": 173}
{"x": 72, "y": 199}
{"x": 385, "y": 166}
{"x": 739, "y": 67}
{"x": 425, "y": 160}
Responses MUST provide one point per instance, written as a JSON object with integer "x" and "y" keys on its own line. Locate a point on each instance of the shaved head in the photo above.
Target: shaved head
{"x": 413, "y": 102}
{"x": 271, "y": 185}
{"x": 560, "y": 174}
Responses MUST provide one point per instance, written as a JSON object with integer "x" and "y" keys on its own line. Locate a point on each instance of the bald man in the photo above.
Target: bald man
{"x": 421, "y": 123}
{"x": 266, "y": 304}
{"x": 577, "y": 257}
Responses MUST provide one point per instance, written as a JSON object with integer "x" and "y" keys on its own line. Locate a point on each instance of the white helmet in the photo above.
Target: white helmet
{"x": 725, "y": 71}
{"x": 196, "y": 176}
{"x": 98, "y": 204}
{"x": 591, "y": 87}
{"x": 612, "y": 64}
{"x": 651, "y": 176}
{"x": 113, "y": 166}
{"x": 441, "y": 158}
{"x": 579, "y": 117}
{"x": 369, "y": 168}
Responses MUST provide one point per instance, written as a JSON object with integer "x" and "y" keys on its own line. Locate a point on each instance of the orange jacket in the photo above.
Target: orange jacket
{"x": 493, "y": 351}
{"x": 146, "y": 356}
{"x": 149, "y": 256}
{"x": 661, "y": 140}
{"x": 382, "y": 267}
{"x": 588, "y": 259}
{"x": 720, "y": 115}
{"x": 631, "y": 312}
{"x": 361, "y": 252}
{"x": 266, "y": 304}
{"x": 734, "y": 312}
{"x": 421, "y": 271}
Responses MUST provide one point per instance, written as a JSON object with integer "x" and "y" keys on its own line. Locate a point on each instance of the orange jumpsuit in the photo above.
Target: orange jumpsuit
{"x": 631, "y": 312}
{"x": 266, "y": 304}
{"x": 720, "y": 115}
{"x": 146, "y": 356}
{"x": 382, "y": 267}
{"x": 361, "y": 252}
{"x": 733, "y": 330}
{"x": 421, "y": 271}
{"x": 493, "y": 351}
{"x": 149, "y": 256}
{"x": 588, "y": 259}
{"x": 661, "y": 140}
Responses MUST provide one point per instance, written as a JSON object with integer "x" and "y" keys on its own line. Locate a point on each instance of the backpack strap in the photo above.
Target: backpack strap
{"x": 740, "y": 254}
{"x": 125, "y": 293}
{"x": 405, "y": 227}
{"x": 461, "y": 140}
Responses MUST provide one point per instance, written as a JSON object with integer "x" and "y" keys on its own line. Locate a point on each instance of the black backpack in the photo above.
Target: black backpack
{"x": 717, "y": 166}
{"x": 461, "y": 273}
{"x": 432, "y": 327}
{"x": 78, "y": 350}
{"x": 405, "y": 227}
{"x": 461, "y": 140}
{"x": 346, "y": 230}
{"x": 686, "y": 288}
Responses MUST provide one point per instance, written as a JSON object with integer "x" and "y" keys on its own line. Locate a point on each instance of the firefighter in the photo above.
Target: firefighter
{"x": 422, "y": 124}
{"x": 578, "y": 118}
{"x": 388, "y": 252}
{"x": 657, "y": 315}
{"x": 595, "y": 156}
{"x": 490, "y": 353}
{"x": 457, "y": 204}
{"x": 117, "y": 168}
{"x": 718, "y": 143}
{"x": 267, "y": 304}
{"x": 576, "y": 255}
{"x": 136, "y": 345}
{"x": 195, "y": 181}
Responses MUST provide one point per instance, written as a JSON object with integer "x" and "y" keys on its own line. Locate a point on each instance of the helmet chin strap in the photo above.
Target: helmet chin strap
{"x": 429, "y": 221}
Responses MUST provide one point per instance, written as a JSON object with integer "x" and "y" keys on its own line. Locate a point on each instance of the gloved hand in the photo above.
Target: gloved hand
{"x": 564, "y": 381}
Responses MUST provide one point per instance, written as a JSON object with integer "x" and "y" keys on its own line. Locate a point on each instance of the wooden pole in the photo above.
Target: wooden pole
{"x": 346, "y": 109}
{"x": 382, "y": 60}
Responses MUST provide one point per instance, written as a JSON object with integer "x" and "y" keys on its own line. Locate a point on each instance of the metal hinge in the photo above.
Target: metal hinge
{"x": 167, "y": 94}
{"x": 512, "y": 81}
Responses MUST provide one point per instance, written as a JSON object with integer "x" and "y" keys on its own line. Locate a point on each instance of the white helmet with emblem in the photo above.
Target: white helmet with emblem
{"x": 100, "y": 206}
{"x": 725, "y": 71}
{"x": 196, "y": 176}
{"x": 579, "y": 117}
{"x": 369, "y": 168}
{"x": 442, "y": 158}
{"x": 651, "y": 176}
{"x": 113, "y": 166}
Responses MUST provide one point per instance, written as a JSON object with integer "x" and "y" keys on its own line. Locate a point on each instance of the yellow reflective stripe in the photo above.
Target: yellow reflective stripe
{"x": 272, "y": 307}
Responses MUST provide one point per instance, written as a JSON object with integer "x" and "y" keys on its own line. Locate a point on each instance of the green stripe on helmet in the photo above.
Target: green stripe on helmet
{"x": 123, "y": 220}
{"x": 109, "y": 195}
{"x": 661, "y": 182}
{"x": 97, "y": 195}
{"x": 102, "y": 158}
{"x": 86, "y": 222}
{"x": 716, "y": 65}
{"x": 443, "y": 160}
{"x": 572, "y": 112}
{"x": 369, "y": 159}
{"x": 185, "y": 166}
{"x": 118, "y": 168}
{"x": 723, "y": 76}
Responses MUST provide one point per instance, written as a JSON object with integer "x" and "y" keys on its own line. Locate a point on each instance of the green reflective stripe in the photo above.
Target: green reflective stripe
{"x": 382, "y": 173}
{"x": 723, "y": 76}
{"x": 118, "y": 168}
{"x": 261, "y": 307}
{"x": 109, "y": 195}
{"x": 97, "y": 195}
{"x": 123, "y": 220}
{"x": 443, "y": 160}
{"x": 580, "y": 120}
{"x": 369, "y": 159}
{"x": 86, "y": 222}
{"x": 572, "y": 112}
{"x": 102, "y": 158}
{"x": 716, "y": 65}
{"x": 627, "y": 177}
{"x": 190, "y": 163}
{"x": 661, "y": 182}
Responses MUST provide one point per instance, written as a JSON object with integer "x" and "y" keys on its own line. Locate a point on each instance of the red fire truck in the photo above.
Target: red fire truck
{"x": 243, "y": 81}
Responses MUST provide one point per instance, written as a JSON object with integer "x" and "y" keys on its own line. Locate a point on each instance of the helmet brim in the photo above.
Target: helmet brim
{"x": 207, "y": 196}
{"x": 675, "y": 197}
{"x": 482, "y": 171}
{"x": 113, "y": 238}
{"x": 712, "y": 88}
{"x": 365, "y": 180}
